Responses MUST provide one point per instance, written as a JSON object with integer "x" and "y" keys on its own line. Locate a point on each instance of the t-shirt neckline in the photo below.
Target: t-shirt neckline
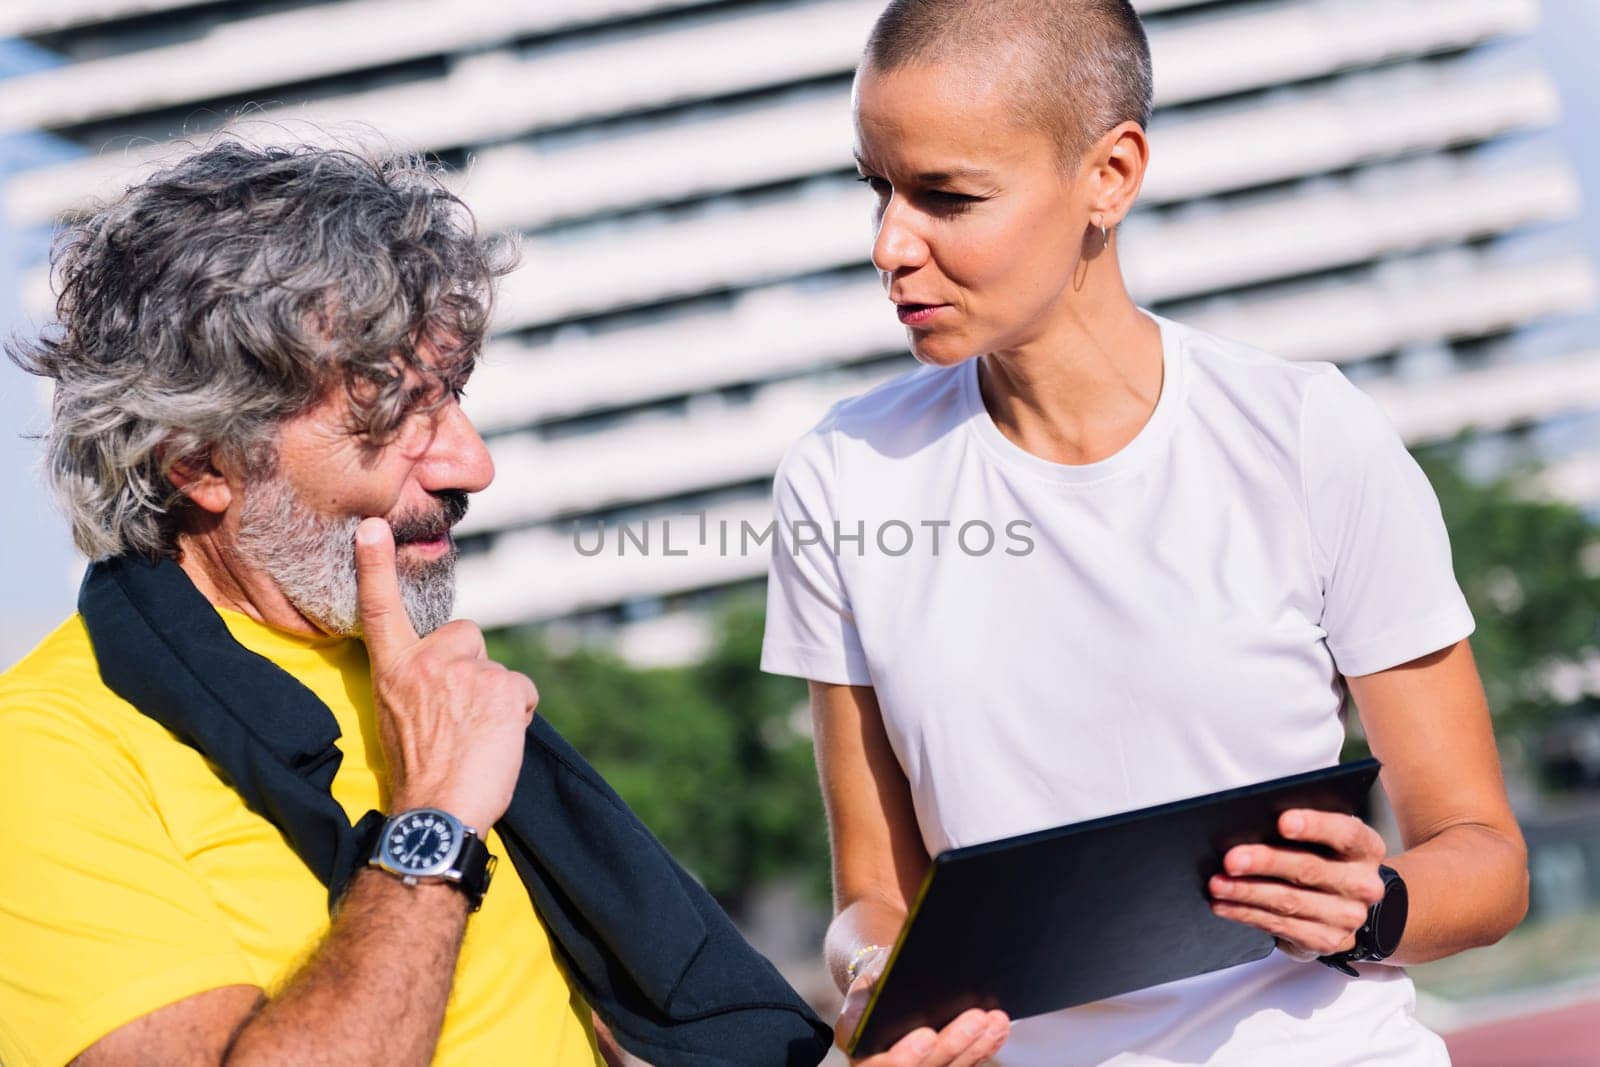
{"x": 267, "y": 640}
{"x": 1144, "y": 444}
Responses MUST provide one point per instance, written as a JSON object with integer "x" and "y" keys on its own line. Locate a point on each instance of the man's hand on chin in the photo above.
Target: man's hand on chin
{"x": 450, "y": 719}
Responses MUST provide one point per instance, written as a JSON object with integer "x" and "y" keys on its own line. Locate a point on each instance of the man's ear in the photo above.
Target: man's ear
{"x": 200, "y": 480}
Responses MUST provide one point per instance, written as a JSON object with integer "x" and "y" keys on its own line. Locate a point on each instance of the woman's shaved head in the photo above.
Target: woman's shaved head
{"x": 1078, "y": 68}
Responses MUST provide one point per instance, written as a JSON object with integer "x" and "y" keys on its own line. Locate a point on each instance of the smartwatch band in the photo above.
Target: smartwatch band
{"x": 1380, "y": 935}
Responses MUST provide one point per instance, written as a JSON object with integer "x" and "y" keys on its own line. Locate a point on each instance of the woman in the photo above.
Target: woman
{"x": 1198, "y": 550}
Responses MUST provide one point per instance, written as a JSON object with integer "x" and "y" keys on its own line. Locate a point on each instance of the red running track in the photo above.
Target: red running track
{"x": 1565, "y": 1037}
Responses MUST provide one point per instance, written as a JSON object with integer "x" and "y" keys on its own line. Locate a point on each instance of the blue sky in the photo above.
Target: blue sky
{"x": 37, "y": 563}
{"x": 1568, "y": 39}
{"x": 38, "y": 567}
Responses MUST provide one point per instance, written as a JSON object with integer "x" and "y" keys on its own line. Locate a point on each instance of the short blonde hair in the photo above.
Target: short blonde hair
{"x": 1083, "y": 65}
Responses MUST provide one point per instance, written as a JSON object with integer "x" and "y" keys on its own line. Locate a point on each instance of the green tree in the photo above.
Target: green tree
{"x": 1530, "y": 569}
{"x": 785, "y": 833}
{"x": 709, "y": 756}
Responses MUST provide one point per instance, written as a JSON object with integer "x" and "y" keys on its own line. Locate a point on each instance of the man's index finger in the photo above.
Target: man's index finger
{"x": 384, "y": 622}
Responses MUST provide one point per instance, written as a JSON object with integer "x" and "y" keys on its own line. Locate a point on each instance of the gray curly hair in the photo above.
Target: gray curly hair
{"x": 232, "y": 291}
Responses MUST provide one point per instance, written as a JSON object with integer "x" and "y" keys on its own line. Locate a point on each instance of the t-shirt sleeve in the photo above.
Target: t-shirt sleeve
{"x": 1389, "y": 594}
{"x": 811, "y": 630}
{"x": 101, "y": 919}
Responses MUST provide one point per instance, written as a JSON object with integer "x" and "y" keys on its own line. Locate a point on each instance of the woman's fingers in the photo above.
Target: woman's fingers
{"x": 1357, "y": 880}
{"x": 993, "y": 1035}
{"x": 1329, "y": 909}
{"x": 1346, "y": 835}
{"x": 856, "y": 999}
{"x": 967, "y": 1040}
{"x": 1314, "y": 937}
{"x": 909, "y": 1051}
{"x": 970, "y": 1039}
{"x": 855, "y": 1002}
{"x": 1286, "y": 903}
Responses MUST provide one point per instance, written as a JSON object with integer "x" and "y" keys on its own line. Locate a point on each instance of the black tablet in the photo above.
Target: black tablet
{"x": 1062, "y": 917}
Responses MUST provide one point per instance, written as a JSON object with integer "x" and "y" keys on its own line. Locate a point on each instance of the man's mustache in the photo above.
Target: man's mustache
{"x": 432, "y": 525}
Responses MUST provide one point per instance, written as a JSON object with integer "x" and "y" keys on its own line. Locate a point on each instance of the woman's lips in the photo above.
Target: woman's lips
{"x": 917, "y": 314}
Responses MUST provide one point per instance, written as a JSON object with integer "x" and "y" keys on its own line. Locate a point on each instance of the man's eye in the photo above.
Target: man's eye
{"x": 877, "y": 185}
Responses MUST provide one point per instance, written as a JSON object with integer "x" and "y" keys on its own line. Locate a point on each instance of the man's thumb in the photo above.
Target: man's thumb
{"x": 384, "y": 623}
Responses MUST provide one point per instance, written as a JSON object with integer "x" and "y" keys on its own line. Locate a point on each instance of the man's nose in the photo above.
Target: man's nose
{"x": 898, "y": 245}
{"x": 457, "y": 456}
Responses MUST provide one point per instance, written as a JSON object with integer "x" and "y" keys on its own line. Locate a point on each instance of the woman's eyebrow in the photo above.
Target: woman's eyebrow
{"x": 935, "y": 177}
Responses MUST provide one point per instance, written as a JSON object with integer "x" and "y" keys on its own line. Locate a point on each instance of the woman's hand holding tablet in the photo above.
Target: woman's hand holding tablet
{"x": 1077, "y": 913}
{"x": 969, "y": 1039}
{"x": 1313, "y": 904}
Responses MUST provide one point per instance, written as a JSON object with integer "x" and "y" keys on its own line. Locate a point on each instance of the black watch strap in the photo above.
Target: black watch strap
{"x": 476, "y": 864}
{"x": 1380, "y": 935}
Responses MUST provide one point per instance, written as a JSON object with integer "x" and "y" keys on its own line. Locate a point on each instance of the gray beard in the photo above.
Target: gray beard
{"x": 312, "y": 558}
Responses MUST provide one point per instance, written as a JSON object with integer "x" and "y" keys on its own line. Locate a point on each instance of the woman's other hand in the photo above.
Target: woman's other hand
{"x": 1313, "y": 905}
{"x": 878, "y": 865}
{"x": 858, "y": 995}
{"x": 970, "y": 1039}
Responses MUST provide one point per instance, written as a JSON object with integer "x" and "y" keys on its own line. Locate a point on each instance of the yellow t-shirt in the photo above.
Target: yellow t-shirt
{"x": 131, "y": 876}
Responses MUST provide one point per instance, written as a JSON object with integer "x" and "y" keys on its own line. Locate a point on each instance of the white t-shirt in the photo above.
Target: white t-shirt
{"x": 1080, "y": 640}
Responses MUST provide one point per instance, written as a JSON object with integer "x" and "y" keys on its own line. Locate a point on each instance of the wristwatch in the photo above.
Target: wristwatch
{"x": 1380, "y": 936}
{"x": 428, "y": 845}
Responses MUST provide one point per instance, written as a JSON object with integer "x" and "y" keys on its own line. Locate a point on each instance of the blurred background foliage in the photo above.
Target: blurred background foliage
{"x": 714, "y": 757}
{"x": 1530, "y": 569}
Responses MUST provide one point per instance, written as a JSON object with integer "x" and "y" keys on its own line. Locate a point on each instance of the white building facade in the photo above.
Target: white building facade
{"x": 1371, "y": 182}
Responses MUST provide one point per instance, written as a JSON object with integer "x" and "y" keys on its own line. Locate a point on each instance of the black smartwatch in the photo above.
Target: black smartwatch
{"x": 1380, "y": 936}
{"x": 428, "y": 845}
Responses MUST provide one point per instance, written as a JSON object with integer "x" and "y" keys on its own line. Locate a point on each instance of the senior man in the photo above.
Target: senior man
{"x": 257, "y": 439}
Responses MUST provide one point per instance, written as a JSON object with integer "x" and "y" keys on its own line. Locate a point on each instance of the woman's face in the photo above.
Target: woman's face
{"x": 980, "y": 228}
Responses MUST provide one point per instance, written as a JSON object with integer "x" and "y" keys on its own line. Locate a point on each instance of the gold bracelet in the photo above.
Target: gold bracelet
{"x": 862, "y": 953}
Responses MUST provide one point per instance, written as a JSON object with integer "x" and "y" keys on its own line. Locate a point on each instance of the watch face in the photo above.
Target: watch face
{"x": 1390, "y": 921}
{"x": 422, "y": 842}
